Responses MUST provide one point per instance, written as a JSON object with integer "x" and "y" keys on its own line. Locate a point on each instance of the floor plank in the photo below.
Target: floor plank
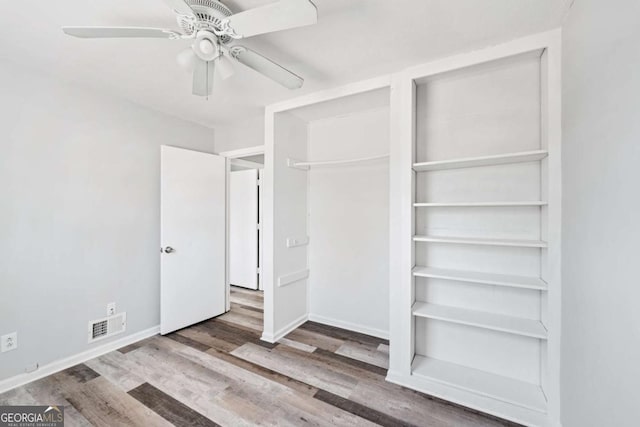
{"x": 242, "y": 320}
{"x": 201, "y": 336}
{"x": 301, "y": 368}
{"x": 360, "y": 410}
{"x": 295, "y": 344}
{"x": 81, "y": 373}
{"x": 247, "y": 297}
{"x": 103, "y": 404}
{"x": 198, "y": 345}
{"x": 342, "y": 334}
{"x": 46, "y": 391}
{"x": 365, "y": 353}
{"x": 315, "y": 339}
{"x": 235, "y": 305}
{"x": 115, "y": 367}
{"x": 267, "y": 373}
{"x": 169, "y": 408}
{"x": 248, "y": 311}
{"x": 328, "y": 357}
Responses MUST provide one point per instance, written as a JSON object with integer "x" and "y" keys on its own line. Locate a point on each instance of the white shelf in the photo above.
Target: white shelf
{"x": 497, "y": 322}
{"x": 505, "y": 389}
{"x": 483, "y": 242}
{"x": 523, "y": 282}
{"x": 470, "y": 162}
{"x": 478, "y": 204}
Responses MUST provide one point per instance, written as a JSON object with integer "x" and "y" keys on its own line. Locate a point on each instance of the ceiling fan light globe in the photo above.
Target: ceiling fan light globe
{"x": 224, "y": 67}
{"x": 187, "y": 59}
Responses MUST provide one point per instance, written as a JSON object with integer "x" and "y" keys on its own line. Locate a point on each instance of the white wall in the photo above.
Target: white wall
{"x": 79, "y": 217}
{"x": 349, "y": 223}
{"x": 284, "y": 216}
{"x": 601, "y": 208}
{"x": 242, "y": 134}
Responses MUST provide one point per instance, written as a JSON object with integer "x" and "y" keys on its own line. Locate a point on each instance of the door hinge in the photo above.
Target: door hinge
{"x": 259, "y": 181}
{"x": 258, "y": 270}
{"x": 258, "y": 226}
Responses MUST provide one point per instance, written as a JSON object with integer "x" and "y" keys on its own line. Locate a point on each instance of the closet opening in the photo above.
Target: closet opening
{"x": 326, "y": 213}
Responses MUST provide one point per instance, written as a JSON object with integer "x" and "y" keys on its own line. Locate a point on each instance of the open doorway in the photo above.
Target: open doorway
{"x": 245, "y": 248}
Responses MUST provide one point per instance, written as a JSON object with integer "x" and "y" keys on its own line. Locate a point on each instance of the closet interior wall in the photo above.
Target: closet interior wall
{"x": 349, "y": 222}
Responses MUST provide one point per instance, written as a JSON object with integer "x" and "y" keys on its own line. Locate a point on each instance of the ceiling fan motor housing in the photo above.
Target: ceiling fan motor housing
{"x": 209, "y": 13}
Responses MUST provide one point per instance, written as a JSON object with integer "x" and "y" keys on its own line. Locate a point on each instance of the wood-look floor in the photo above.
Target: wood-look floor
{"x": 219, "y": 373}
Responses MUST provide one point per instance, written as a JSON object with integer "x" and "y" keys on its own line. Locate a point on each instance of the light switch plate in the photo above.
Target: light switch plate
{"x": 9, "y": 342}
{"x": 293, "y": 242}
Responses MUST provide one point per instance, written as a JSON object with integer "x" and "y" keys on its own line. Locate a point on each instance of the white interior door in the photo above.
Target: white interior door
{"x": 193, "y": 237}
{"x": 243, "y": 230}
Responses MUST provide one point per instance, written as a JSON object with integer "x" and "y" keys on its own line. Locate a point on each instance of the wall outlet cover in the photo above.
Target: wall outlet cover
{"x": 9, "y": 342}
{"x": 31, "y": 368}
{"x": 111, "y": 309}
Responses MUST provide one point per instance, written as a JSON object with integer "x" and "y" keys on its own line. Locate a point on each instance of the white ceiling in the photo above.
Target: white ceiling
{"x": 353, "y": 40}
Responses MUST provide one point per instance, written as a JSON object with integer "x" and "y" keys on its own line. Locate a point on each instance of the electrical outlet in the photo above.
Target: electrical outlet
{"x": 111, "y": 309}
{"x": 31, "y": 368}
{"x": 9, "y": 342}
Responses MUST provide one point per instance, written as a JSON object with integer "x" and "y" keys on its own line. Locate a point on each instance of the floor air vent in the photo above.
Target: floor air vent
{"x": 107, "y": 327}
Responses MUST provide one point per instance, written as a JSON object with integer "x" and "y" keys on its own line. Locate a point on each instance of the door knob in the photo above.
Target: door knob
{"x": 169, "y": 250}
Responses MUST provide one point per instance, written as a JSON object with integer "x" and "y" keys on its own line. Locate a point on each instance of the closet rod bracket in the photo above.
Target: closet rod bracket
{"x": 292, "y": 163}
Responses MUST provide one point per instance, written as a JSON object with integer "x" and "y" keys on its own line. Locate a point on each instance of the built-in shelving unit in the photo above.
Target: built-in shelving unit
{"x": 477, "y": 216}
{"x": 482, "y": 242}
{"x": 507, "y": 280}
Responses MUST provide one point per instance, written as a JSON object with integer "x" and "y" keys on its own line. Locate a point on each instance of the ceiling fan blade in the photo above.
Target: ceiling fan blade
{"x": 203, "y": 78}
{"x": 117, "y": 32}
{"x": 266, "y": 67}
{"x": 281, "y": 15}
{"x": 181, "y": 7}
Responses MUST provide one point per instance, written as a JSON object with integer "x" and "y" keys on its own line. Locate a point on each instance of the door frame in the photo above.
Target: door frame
{"x": 236, "y": 158}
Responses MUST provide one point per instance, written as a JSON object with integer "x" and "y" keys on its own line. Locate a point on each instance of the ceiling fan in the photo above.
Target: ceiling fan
{"x": 212, "y": 26}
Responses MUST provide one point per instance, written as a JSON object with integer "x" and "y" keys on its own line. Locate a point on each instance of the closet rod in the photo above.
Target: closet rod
{"x": 336, "y": 162}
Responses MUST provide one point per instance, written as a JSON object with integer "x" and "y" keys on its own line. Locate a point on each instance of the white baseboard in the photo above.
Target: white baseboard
{"x": 394, "y": 377}
{"x": 379, "y": 333}
{"x": 67, "y": 362}
{"x": 272, "y": 338}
